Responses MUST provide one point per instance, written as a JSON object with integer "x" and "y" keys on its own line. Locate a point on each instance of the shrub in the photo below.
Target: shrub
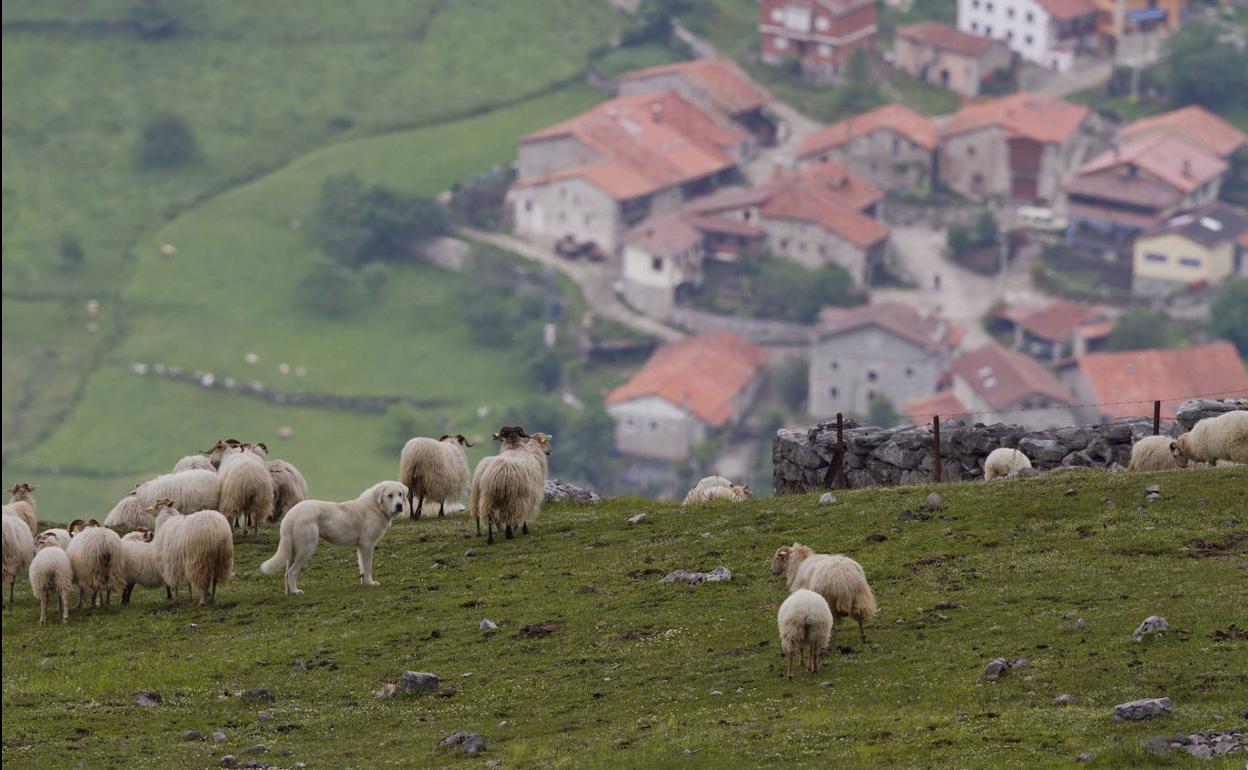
{"x": 1142, "y": 329}
{"x": 793, "y": 381}
{"x": 166, "y": 142}
{"x": 71, "y": 252}
{"x": 1228, "y": 318}
{"x": 330, "y": 290}
{"x": 784, "y": 290}
{"x": 882, "y": 413}
{"x": 1202, "y": 69}
{"x": 355, "y": 224}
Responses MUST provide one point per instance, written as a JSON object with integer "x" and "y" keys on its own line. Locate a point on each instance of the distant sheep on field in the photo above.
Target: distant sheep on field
{"x": 838, "y": 579}
{"x": 1003, "y": 461}
{"x": 19, "y": 549}
{"x": 1156, "y": 453}
{"x": 437, "y": 470}
{"x": 805, "y": 622}
{"x": 22, "y": 505}
{"x": 1224, "y": 437}
{"x": 714, "y": 488}
{"x": 51, "y": 573}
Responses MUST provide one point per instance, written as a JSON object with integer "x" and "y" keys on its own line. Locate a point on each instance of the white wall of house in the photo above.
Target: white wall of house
{"x": 655, "y": 428}
{"x": 570, "y": 206}
{"x": 1025, "y": 26}
{"x": 849, "y": 370}
{"x": 651, "y": 280}
{"x": 812, "y": 246}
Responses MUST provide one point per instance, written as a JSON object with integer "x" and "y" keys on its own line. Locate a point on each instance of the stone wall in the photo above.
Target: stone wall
{"x": 802, "y": 459}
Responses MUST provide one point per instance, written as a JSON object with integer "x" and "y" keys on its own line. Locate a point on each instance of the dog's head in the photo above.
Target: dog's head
{"x": 390, "y": 497}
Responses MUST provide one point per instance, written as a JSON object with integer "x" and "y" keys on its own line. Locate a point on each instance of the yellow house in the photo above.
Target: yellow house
{"x": 1202, "y": 245}
{"x": 1137, "y": 15}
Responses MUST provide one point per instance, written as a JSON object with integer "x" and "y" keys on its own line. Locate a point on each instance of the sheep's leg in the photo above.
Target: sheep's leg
{"x": 788, "y": 672}
{"x": 168, "y": 593}
{"x": 814, "y": 658}
{"x": 524, "y": 528}
{"x": 64, "y": 605}
{"x": 411, "y": 509}
{"x": 478, "y": 519}
{"x": 125, "y": 594}
{"x": 442, "y": 510}
{"x": 420, "y": 506}
{"x": 489, "y": 526}
{"x": 43, "y": 607}
{"x": 108, "y": 596}
{"x": 862, "y": 634}
{"x": 82, "y": 593}
{"x": 509, "y": 534}
{"x": 12, "y": 585}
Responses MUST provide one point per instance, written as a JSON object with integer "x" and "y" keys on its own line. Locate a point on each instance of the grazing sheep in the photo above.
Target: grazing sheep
{"x": 1003, "y": 461}
{"x": 217, "y": 450}
{"x": 142, "y": 563}
{"x": 437, "y": 470}
{"x": 246, "y": 486}
{"x": 50, "y": 572}
{"x": 805, "y": 622}
{"x": 19, "y": 549}
{"x": 732, "y": 492}
{"x": 23, "y": 505}
{"x": 193, "y": 463}
{"x": 98, "y": 561}
{"x": 1156, "y": 453}
{"x": 508, "y": 488}
{"x": 197, "y": 548}
{"x": 839, "y": 579}
{"x": 62, "y": 536}
{"x": 1224, "y": 437}
{"x": 191, "y": 491}
{"x": 289, "y": 487}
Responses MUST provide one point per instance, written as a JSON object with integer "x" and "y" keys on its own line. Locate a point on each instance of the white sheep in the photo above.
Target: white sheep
{"x": 509, "y": 487}
{"x": 289, "y": 487}
{"x": 805, "y": 623}
{"x": 142, "y": 563}
{"x": 51, "y": 573}
{"x": 434, "y": 469}
{"x": 193, "y": 490}
{"x": 701, "y": 495}
{"x": 1156, "y": 453}
{"x": 1003, "y": 461}
{"x": 246, "y": 485}
{"x": 194, "y": 463}
{"x": 62, "y": 536}
{"x": 19, "y": 549}
{"x": 22, "y": 505}
{"x": 217, "y": 450}
{"x": 197, "y": 548}
{"x": 838, "y": 579}
{"x": 1224, "y": 437}
{"x": 98, "y": 561}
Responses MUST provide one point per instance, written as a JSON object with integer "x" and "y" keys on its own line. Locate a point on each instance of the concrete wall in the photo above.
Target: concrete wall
{"x": 653, "y": 428}
{"x": 888, "y": 159}
{"x": 867, "y": 362}
{"x": 813, "y": 247}
{"x": 567, "y": 206}
{"x": 1024, "y": 26}
{"x": 653, "y": 291}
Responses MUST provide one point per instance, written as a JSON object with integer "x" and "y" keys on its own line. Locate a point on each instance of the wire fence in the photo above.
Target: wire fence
{"x": 1240, "y": 392}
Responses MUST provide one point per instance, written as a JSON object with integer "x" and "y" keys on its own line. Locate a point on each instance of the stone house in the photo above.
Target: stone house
{"x": 1019, "y": 147}
{"x": 685, "y": 392}
{"x": 662, "y": 261}
{"x": 1050, "y": 33}
{"x": 887, "y": 350}
{"x": 821, "y": 34}
{"x": 1199, "y": 246}
{"x": 1058, "y": 330}
{"x": 893, "y": 146}
{"x": 949, "y": 58}
{"x": 716, "y": 86}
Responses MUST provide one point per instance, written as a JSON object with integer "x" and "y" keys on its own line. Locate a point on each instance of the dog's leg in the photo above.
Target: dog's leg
{"x": 366, "y": 562}
{"x": 359, "y": 563}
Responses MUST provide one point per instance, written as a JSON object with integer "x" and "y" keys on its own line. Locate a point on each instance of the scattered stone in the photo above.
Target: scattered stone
{"x": 469, "y": 743}
{"x": 1153, "y": 625}
{"x": 1065, "y": 699}
{"x": 218, "y": 737}
{"x": 470, "y": 552}
{"x": 256, "y": 694}
{"x": 148, "y": 699}
{"x": 1081, "y": 624}
{"x": 538, "y": 630}
{"x": 1070, "y": 492}
{"x": 935, "y": 502}
{"x": 193, "y": 735}
{"x": 1153, "y": 497}
{"x": 561, "y": 492}
{"x": 387, "y": 690}
{"x": 1153, "y": 489}
{"x": 298, "y": 665}
{"x": 266, "y": 716}
{"x": 259, "y": 748}
{"x": 825, "y": 683}
{"x": 487, "y": 625}
{"x": 419, "y": 681}
{"x": 827, "y": 498}
{"x": 493, "y": 762}
{"x": 1158, "y": 744}
{"x": 299, "y": 765}
{"x": 876, "y": 537}
{"x": 996, "y": 668}
{"x": 740, "y": 691}
{"x": 1020, "y": 663}
{"x": 1144, "y": 708}
{"x": 1200, "y": 751}
{"x": 717, "y": 575}
{"x": 229, "y": 760}
{"x": 637, "y": 519}
{"x": 1084, "y": 757}
{"x": 716, "y": 692}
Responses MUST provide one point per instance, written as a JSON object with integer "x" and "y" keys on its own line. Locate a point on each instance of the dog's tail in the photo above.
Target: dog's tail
{"x": 280, "y": 559}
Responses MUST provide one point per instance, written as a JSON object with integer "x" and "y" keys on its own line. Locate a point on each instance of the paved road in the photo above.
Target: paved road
{"x": 595, "y": 280}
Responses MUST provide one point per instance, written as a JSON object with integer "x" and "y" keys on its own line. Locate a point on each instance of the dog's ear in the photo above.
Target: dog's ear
{"x": 379, "y": 497}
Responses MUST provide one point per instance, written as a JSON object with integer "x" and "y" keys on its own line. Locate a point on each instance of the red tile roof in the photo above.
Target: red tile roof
{"x": 900, "y": 319}
{"x": 1068, "y": 9}
{"x": 702, "y": 374}
{"x": 946, "y": 37}
{"x": 1170, "y": 159}
{"x": 1057, "y": 321}
{"x": 1170, "y": 375}
{"x": 728, "y": 88}
{"x": 647, "y": 142}
{"x": 728, "y": 198}
{"x": 943, "y": 404}
{"x": 892, "y": 117}
{"x": 665, "y": 234}
{"x": 1001, "y": 377}
{"x": 1194, "y": 123}
{"x": 1039, "y": 118}
{"x": 830, "y": 196}
{"x": 711, "y": 223}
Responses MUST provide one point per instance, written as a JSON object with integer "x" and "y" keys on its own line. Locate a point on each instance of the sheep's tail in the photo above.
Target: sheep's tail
{"x": 280, "y": 559}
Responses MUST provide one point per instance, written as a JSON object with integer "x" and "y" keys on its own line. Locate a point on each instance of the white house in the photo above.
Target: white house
{"x": 1048, "y": 32}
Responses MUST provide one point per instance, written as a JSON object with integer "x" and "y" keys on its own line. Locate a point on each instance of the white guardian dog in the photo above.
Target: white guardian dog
{"x": 360, "y": 522}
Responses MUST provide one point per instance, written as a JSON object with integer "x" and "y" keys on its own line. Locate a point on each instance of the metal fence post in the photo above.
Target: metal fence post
{"x": 936, "y": 464}
{"x": 839, "y": 458}
{"x": 1156, "y": 417}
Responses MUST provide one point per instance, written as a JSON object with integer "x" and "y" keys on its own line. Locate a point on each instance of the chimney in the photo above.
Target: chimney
{"x": 1187, "y": 167}
{"x": 656, "y": 109}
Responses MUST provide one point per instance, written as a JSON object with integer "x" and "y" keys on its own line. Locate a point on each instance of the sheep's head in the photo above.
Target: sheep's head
{"x": 1182, "y": 447}
{"x": 742, "y": 491}
{"x": 161, "y": 505}
{"x": 76, "y": 526}
{"x": 543, "y": 439}
{"x": 1176, "y": 451}
{"x": 259, "y": 448}
{"x": 780, "y": 561}
{"x": 21, "y": 491}
{"x": 218, "y": 450}
{"x": 46, "y": 540}
{"x": 459, "y": 437}
{"x": 510, "y": 434}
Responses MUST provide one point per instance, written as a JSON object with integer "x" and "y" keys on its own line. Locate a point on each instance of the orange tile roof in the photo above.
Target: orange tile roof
{"x": 893, "y": 117}
{"x": 1068, "y": 9}
{"x": 1194, "y": 123}
{"x": 943, "y": 404}
{"x": 702, "y": 374}
{"x": 841, "y": 184}
{"x": 946, "y": 37}
{"x": 648, "y": 142}
{"x": 1039, "y": 118}
{"x": 1170, "y": 159}
{"x": 665, "y": 234}
{"x": 830, "y": 196}
{"x": 1058, "y": 320}
{"x": 1170, "y": 375}
{"x": 729, "y": 89}
{"x": 896, "y": 317}
{"x": 1002, "y": 376}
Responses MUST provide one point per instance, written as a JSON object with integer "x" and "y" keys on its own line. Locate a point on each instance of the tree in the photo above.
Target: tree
{"x": 166, "y": 142}
{"x": 1142, "y": 329}
{"x": 1202, "y": 69}
{"x": 860, "y": 93}
{"x": 793, "y": 381}
{"x": 71, "y": 252}
{"x": 785, "y": 290}
{"x": 403, "y": 422}
{"x": 330, "y": 290}
{"x": 545, "y": 368}
{"x": 1228, "y": 318}
{"x": 355, "y": 224}
{"x": 882, "y": 413}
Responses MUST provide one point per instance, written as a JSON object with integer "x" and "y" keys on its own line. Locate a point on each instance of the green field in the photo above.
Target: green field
{"x": 629, "y": 675}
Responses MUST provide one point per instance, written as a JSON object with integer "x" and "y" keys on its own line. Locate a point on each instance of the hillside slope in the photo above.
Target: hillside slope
{"x": 631, "y": 672}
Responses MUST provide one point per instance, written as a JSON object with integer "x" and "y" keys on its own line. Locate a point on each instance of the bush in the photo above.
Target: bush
{"x": 792, "y": 382}
{"x": 1228, "y": 318}
{"x": 1201, "y": 69}
{"x": 1000, "y": 83}
{"x": 882, "y": 413}
{"x": 784, "y": 290}
{"x": 1143, "y": 329}
{"x": 71, "y": 252}
{"x": 403, "y": 422}
{"x": 166, "y": 142}
{"x": 330, "y": 290}
{"x": 355, "y": 224}
{"x": 545, "y": 368}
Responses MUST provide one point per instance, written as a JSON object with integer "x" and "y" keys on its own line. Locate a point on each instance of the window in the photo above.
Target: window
{"x": 970, "y": 152}
{"x": 834, "y": 392}
{"x": 835, "y": 366}
{"x": 1010, "y": 13}
{"x": 988, "y": 30}
{"x": 528, "y": 205}
{"x": 1009, "y": 34}
{"x": 825, "y": 51}
{"x": 784, "y": 243}
{"x": 988, "y": 5}
{"x": 657, "y": 263}
{"x": 821, "y": 23}
{"x": 823, "y": 250}
{"x": 974, "y": 3}
{"x": 974, "y": 26}
{"x": 1028, "y": 39}
{"x": 1155, "y": 257}
{"x": 871, "y": 395}
{"x": 909, "y": 371}
{"x": 780, "y": 43}
{"x": 1030, "y": 17}
{"x": 801, "y": 246}
{"x": 654, "y": 425}
{"x": 872, "y": 376}
{"x": 896, "y": 147}
{"x": 777, "y": 15}
{"x": 1189, "y": 262}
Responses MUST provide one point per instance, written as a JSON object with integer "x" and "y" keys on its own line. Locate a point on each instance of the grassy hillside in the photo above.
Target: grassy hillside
{"x": 629, "y": 675}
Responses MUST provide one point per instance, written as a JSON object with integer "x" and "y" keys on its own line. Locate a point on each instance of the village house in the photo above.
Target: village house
{"x": 1050, "y": 33}
{"x": 1138, "y": 16}
{"x": 1125, "y": 384}
{"x": 947, "y": 57}
{"x": 597, "y": 175}
{"x": 1056, "y": 331}
{"x": 821, "y": 34}
{"x": 862, "y": 354}
{"x": 1202, "y": 246}
{"x": 995, "y": 384}
{"x": 1019, "y": 147}
{"x": 686, "y": 392}
{"x": 893, "y": 146}
{"x": 1195, "y": 124}
{"x": 717, "y": 86}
